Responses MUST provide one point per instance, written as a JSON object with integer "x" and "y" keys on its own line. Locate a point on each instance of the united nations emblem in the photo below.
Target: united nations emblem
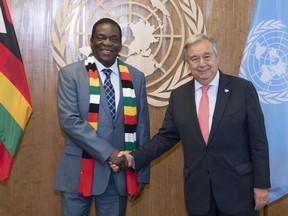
{"x": 154, "y": 33}
{"x": 265, "y": 61}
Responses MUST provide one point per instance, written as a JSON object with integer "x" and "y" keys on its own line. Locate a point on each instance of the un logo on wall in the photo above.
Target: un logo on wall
{"x": 265, "y": 61}
{"x": 154, "y": 33}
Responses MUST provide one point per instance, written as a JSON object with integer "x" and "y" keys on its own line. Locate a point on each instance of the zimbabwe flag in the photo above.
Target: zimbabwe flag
{"x": 15, "y": 103}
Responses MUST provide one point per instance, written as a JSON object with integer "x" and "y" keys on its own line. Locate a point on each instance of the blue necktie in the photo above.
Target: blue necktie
{"x": 110, "y": 93}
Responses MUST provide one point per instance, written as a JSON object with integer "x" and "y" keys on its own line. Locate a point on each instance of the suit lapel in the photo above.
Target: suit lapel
{"x": 224, "y": 91}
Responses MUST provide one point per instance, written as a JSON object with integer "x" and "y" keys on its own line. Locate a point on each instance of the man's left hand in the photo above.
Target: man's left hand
{"x": 260, "y": 198}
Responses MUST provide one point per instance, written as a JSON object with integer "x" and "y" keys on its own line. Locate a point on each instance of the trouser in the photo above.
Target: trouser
{"x": 215, "y": 211}
{"x": 110, "y": 203}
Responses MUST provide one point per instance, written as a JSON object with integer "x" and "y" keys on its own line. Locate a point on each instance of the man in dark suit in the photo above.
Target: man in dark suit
{"x": 96, "y": 126}
{"x": 226, "y": 173}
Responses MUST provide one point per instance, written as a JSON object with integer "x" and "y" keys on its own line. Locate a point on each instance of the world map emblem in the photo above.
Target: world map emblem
{"x": 265, "y": 61}
{"x": 154, "y": 32}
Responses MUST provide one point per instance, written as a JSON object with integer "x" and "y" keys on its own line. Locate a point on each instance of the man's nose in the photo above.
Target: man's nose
{"x": 202, "y": 61}
{"x": 107, "y": 41}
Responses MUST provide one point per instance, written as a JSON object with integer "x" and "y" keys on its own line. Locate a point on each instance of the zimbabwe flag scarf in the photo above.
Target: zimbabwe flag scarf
{"x": 130, "y": 123}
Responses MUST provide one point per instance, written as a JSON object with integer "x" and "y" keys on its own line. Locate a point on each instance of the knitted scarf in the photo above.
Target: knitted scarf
{"x": 130, "y": 123}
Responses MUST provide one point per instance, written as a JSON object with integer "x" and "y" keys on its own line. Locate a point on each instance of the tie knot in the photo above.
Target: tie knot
{"x": 107, "y": 72}
{"x": 205, "y": 89}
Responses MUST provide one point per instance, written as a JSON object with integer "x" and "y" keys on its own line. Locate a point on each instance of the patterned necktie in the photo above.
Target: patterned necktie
{"x": 203, "y": 113}
{"x": 110, "y": 93}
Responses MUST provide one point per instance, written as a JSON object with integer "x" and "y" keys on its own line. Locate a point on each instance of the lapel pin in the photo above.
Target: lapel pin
{"x": 226, "y": 90}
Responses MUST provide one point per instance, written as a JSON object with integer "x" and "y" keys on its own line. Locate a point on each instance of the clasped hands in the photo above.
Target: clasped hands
{"x": 120, "y": 160}
{"x": 123, "y": 160}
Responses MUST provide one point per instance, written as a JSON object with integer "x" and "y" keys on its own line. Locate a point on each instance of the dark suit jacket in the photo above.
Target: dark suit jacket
{"x": 234, "y": 161}
{"x": 73, "y": 107}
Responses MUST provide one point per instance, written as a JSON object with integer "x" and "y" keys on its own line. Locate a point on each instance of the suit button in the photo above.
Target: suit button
{"x": 207, "y": 171}
{"x": 207, "y": 149}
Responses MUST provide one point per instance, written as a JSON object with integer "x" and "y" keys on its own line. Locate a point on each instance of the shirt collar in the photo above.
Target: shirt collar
{"x": 214, "y": 82}
{"x": 100, "y": 66}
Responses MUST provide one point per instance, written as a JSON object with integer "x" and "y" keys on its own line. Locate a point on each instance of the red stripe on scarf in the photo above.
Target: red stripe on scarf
{"x": 86, "y": 176}
{"x": 92, "y": 117}
{"x": 131, "y": 182}
{"x": 125, "y": 76}
{"x": 93, "y": 74}
{"x": 131, "y": 120}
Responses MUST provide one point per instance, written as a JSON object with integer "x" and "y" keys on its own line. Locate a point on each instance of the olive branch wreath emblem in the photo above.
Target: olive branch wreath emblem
{"x": 62, "y": 51}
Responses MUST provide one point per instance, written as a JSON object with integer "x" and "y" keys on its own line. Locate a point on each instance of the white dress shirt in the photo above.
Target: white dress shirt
{"x": 212, "y": 94}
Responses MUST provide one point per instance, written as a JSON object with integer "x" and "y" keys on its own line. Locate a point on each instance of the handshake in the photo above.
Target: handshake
{"x": 120, "y": 160}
